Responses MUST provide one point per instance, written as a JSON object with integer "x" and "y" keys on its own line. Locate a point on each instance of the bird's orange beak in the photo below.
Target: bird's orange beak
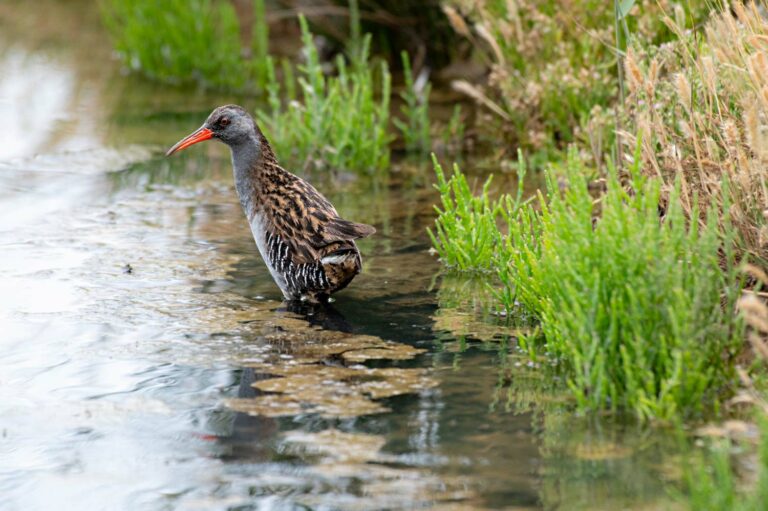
{"x": 198, "y": 136}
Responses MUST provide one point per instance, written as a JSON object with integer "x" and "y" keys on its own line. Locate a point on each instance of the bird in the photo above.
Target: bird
{"x": 309, "y": 249}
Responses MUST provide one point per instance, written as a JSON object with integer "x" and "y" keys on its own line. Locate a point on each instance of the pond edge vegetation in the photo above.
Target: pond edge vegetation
{"x": 636, "y": 310}
{"x": 702, "y": 204}
{"x": 316, "y": 117}
{"x": 637, "y": 278}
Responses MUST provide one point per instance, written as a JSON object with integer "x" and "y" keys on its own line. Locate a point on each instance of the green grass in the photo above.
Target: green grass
{"x": 638, "y": 312}
{"x": 466, "y": 235}
{"x": 415, "y": 110}
{"x": 715, "y": 486}
{"x": 338, "y": 122}
{"x": 182, "y": 41}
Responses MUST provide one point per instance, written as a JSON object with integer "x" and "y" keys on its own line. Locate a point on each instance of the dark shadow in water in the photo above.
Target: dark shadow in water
{"x": 251, "y": 436}
{"x": 323, "y": 315}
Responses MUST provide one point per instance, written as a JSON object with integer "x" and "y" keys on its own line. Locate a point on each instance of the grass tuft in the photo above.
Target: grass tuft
{"x": 466, "y": 236}
{"x": 700, "y": 106}
{"x": 415, "y": 110}
{"x": 181, "y": 41}
{"x": 338, "y": 122}
{"x": 637, "y": 310}
{"x": 553, "y": 64}
{"x": 640, "y": 310}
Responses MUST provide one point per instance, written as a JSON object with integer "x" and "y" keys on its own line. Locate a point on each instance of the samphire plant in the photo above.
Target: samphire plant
{"x": 415, "y": 109}
{"x": 334, "y": 118}
{"x": 636, "y": 308}
{"x": 466, "y": 235}
{"x": 716, "y": 486}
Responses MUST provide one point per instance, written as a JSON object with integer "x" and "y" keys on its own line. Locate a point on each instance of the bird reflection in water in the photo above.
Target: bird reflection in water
{"x": 250, "y": 437}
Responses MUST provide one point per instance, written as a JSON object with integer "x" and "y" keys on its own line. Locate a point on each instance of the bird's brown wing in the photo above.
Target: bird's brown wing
{"x": 339, "y": 229}
{"x": 326, "y": 235}
{"x": 309, "y": 223}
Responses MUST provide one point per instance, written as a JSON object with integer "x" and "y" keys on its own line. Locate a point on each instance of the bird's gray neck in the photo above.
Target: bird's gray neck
{"x": 246, "y": 165}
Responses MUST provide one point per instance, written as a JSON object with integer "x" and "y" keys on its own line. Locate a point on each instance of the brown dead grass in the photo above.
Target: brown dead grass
{"x": 552, "y": 63}
{"x": 699, "y": 108}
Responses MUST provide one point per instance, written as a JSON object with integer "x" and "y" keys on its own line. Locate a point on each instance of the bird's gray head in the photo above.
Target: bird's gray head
{"x": 230, "y": 123}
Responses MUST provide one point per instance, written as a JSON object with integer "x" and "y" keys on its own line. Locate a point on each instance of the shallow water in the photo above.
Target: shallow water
{"x": 147, "y": 363}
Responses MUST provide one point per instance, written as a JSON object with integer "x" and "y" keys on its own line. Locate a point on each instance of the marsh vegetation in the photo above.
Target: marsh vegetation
{"x": 572, "y": 209}
{"x": 646, "y": 121}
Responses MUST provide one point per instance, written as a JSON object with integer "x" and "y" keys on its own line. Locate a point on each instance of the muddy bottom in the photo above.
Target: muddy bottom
{"x": 147, "y": 362}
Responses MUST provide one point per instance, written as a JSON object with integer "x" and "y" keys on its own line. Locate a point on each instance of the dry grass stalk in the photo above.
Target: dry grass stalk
{"x": 633, "y": 73}
{"x": 704, "y": 118}
{"x": 486, "y": 36}
{"x": 755, "y": 312}
{"x": 457, "y": 21}
{"x": 478, "y": 95}
{"x": 550, "y": 64}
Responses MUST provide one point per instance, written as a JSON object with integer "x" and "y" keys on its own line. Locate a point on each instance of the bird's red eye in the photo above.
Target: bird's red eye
{"x": 224, "y": 122}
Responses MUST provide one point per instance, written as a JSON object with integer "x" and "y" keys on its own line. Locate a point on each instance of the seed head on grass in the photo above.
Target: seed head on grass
{"x": 718, "y": 85}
